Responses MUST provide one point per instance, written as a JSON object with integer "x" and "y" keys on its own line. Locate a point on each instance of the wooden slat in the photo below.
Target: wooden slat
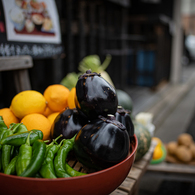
{"x": 19, "y": 65}
{"x": 119, "y": 192}
{"x": 135, "y": 173}
{"x": 131, "y": 183}
{"x": 127, "y": 185}
{"x": 15, "y": 63}
{"x": 172, "y": 168}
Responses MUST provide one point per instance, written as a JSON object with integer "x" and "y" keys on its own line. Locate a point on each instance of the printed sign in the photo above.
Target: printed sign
{"x": 29, "y": 27}
{"x": 32, "y": 21}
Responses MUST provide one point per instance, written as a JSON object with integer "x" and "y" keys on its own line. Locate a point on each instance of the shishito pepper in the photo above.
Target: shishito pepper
{"x": 0, "y": 161}
{"x": 6, "y": 150}
{"x": 21, "y": 128}
{"x": 18, "y": 139}
{"x": 47, "y": 167}
{"x": 72, "y": 172}
{"x": 38, "y": 154}
{"x": 3, "y": 129}
{"x": 2, "y": 124}
{"x": 14, "y": 127}
{"x": 60, "y": 159}
{"x": 24, "y": 156}
{"x": 62, "y": 168}
{"x": 11, "y": 168}
{"x": 1, "y": 136}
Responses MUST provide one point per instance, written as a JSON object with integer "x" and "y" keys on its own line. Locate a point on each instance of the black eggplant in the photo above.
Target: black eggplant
{"x": 122, "y": 115}
{"x": 68, "y": 123}
{"x": 95, "y": 96}
{"x": 102, "y": 143}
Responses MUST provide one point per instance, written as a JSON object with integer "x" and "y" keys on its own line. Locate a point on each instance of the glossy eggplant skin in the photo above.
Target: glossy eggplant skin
{"x": 102, "y": 143}
{"x": 123, "y": 116}
{"x": 68, "y": 123}
{"x": 95, "y": 96}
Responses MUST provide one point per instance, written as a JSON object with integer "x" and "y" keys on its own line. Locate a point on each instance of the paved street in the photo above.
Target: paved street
{"x": 174, "y": 113}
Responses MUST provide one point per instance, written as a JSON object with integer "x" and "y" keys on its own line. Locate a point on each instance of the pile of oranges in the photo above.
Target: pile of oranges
{"x": 38, "y": 111}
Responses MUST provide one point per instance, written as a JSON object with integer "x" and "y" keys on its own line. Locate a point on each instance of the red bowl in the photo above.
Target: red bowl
{"x": 101, "y": 182}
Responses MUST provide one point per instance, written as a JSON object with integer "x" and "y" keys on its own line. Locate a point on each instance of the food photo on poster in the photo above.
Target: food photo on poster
{"x": 30, "y": 27}
{"x": 32, "y": 21}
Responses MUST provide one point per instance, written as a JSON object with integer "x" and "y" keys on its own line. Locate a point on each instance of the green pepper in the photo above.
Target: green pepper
{"x": 1, "y": 135}
{"x": 47, "y": 168}
{"x": 3, "y": 129}
{"x": 21, "y": 128}
{"x": 2, "y": 124}
{"x": 24, "y": 156}
{"x": 60, "y": 159}
{"x": 0, "y": 161}
{"x": 18, "y": 139}
{"x": 6, "y": 151}
{"x": 11, "y": 168}
{"x": 39, "y": 149}
{"x": 72, "y": 172}
{"x": 38, "y": 132}
{"x": 15, "y": 151}
{"x": 14, "y": 127}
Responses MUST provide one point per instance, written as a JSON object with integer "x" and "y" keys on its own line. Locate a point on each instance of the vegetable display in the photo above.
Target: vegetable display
{"x": 25, "y": 154}
{"x": 97, "y": 133}
{"x": 144, "y": 140}
{"x": 181, "y": 150}
{"x": 95, "y": 96}
{"x": 123, "y": 116}
{"x": 68, "y": 123}
{"x": 124, "y": 100}
{"x": 102, "y": 143}
{"x": 93, "y": 63}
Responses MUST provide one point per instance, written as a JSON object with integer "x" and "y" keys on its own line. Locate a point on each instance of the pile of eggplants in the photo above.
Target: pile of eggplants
{"x": 103, "y": 129}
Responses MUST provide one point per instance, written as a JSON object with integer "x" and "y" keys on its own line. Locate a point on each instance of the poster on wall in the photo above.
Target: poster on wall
{"x": 31, "y": 28}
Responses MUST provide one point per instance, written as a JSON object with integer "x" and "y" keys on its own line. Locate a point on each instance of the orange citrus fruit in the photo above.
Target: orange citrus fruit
{"x": 8, "y": 116}
{"x": 47, "y": 111}
{"x": 157, "y": 154}
{"x": 157, "y": 140}
{"x": 71, "y": 98}
{"x": 53, "y": 116}
{"x": 39, "y": 122}
{"x": 56, "y": 96}
{"x": 27, "y": 102}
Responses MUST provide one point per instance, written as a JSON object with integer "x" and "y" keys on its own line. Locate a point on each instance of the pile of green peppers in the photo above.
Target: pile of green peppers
{"x": 24, "y": 153}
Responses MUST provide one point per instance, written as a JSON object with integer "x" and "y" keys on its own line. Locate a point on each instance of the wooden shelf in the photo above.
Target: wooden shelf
{"x": 131, "y": 183}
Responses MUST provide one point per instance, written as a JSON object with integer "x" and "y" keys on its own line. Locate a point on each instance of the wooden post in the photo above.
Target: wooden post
{"x": 176, "y": 66}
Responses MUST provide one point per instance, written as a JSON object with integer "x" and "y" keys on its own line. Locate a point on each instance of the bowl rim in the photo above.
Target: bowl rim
{"x": 82, "y": 176}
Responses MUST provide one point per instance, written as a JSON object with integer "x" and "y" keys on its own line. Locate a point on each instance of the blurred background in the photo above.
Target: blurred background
{"x": 149, "y": 40}
{"x": 152, "y": 49}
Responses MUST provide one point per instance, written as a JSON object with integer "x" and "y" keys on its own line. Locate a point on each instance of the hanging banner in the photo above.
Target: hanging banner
{"x": 31, "y": 27}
